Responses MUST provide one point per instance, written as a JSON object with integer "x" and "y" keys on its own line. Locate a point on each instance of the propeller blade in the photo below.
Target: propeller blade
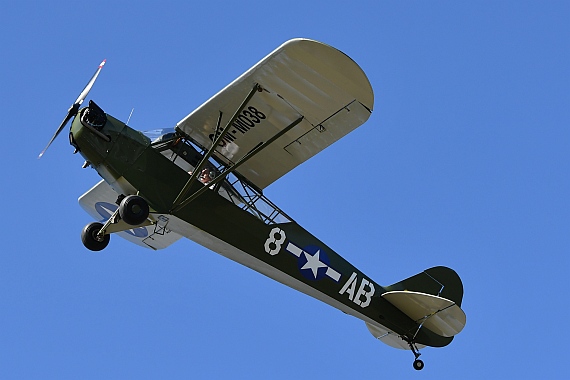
{"x": 61, "y": 126}
{"x": 87, "y": 88}
{"x": 72, "y": 111}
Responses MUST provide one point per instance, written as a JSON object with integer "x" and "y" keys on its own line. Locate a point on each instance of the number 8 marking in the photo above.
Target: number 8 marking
{"x": 273, "y": 240}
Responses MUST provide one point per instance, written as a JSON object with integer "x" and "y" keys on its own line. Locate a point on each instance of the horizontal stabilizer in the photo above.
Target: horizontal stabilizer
{"x": 99, "y": 202}
{"x": 437, "y": 314}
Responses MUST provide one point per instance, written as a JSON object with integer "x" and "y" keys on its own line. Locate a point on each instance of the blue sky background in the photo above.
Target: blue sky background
{"x": 463, "y": 163}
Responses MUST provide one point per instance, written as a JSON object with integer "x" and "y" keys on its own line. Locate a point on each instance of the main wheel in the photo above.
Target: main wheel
{"x": 90, "y": 239}
{"x": 418, "y": 364}
{"x": 133, "y": 210}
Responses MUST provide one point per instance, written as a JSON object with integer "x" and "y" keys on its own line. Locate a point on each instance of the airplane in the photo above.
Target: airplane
{"x": 204, "y": 180}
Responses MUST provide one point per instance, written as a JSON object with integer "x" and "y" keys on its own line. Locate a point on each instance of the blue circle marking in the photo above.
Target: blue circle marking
{"x": 313, "y": 262}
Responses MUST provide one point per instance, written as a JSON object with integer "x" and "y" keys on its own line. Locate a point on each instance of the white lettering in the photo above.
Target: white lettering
{"x": 349, "y": 287}
{"x": 362, "y": 292}
{"x": 273, "y": 244}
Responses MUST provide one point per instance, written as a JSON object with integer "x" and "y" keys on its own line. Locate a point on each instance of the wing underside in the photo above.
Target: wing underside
{"x": 302, "y": 79}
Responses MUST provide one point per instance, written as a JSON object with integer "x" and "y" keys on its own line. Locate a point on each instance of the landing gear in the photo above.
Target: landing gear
{"x": 133, "y": 210}
{"x": 418, "y": 364}
{"x": 91, "y": 238}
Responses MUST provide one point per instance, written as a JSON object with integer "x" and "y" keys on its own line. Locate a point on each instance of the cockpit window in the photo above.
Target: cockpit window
{"x": 187, "y": 155}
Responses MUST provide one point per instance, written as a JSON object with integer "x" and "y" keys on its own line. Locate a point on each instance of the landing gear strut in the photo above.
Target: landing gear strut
{"x": 418, "y": 364}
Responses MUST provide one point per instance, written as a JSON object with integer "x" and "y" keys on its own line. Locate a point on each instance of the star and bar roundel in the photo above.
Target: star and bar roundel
{"x": 312, "y": 261}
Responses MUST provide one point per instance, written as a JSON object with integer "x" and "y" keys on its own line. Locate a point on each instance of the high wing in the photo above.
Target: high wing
{"x": 301, "y": 80}
{"x": 99, "y": 202}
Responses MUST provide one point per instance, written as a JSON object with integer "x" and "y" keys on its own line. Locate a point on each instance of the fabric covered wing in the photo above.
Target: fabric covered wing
{"x": 301, "y": 78}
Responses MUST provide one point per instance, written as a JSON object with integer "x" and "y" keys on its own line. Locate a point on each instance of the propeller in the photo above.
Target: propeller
{"x": 72, "y": 111}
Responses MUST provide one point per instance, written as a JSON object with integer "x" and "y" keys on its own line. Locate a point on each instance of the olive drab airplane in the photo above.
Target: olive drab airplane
{"x": 204, "y": 180}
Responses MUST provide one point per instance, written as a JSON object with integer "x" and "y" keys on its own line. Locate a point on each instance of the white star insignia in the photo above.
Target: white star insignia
{"x": 314, "y": 262}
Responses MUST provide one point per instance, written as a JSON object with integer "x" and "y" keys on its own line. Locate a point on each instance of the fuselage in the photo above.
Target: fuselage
{"x": 283, "y": 251}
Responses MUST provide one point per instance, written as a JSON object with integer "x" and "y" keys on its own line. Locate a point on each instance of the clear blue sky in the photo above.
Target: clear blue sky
{"x": 463, "y": 163}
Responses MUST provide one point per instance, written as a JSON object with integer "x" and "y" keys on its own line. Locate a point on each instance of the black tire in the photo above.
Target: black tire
{"x": 418, "y": 365}
{"x": 133, "y": 210}
{"x": 90, "y": 240}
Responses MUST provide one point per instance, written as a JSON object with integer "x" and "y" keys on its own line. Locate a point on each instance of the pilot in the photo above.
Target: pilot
{"x": 204, "y": 176}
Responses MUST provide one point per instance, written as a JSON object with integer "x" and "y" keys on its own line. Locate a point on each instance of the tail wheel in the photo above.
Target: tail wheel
{"x": 418, "y": 365}
{"x": 90, "y": 239}
{"x": 133, "y": 210}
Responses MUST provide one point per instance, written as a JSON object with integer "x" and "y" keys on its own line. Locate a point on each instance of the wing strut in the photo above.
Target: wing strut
{"x": 240, "y": 162}
{"x": 206, "y": 157}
